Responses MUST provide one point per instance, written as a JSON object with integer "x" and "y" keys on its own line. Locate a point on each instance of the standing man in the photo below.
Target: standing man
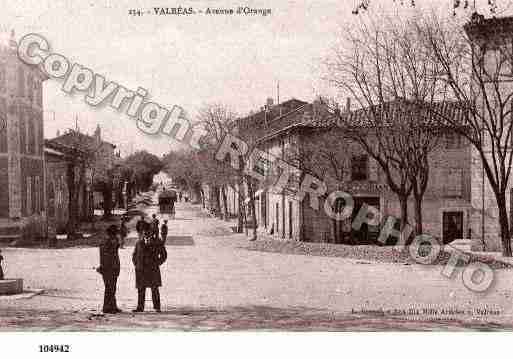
{"x": 109, "y": 269}
{"x": 163, "y": 231}
{"x": 1, "y": 269}
{"x": 155, "y": 226}
{"x": 148, "y": 256}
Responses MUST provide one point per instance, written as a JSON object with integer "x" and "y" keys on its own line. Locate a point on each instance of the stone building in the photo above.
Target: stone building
{"x": 22, "y": 205}
{"x": 100, "y": 158}
{"x": 491, "y": 37}
{"x": 57, "y": 193}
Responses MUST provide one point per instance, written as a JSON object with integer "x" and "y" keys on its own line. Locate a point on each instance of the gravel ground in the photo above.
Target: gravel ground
{"x": 364, "y": 252}
{"x": 212, "y": 282}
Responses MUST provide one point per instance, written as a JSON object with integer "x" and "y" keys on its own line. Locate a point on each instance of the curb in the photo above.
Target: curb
{"x": 27, "y": 294}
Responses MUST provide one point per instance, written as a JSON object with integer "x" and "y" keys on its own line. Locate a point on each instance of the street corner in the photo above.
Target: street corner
{"x": 27, "y": 293}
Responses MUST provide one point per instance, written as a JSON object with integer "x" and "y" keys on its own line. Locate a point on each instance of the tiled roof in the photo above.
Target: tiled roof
{"x": 318, "y": 116}
{"x": 76, "y": 138}
{"x": 263, "y": 122}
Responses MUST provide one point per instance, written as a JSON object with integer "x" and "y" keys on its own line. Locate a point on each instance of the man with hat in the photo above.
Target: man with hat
{"x": 109, "y": 269}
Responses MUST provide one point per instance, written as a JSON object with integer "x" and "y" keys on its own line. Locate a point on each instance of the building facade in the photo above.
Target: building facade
{"x": 57, "y": 192}
{"x": 300, "y": 134}
{"x": 22, "y": 204}
{"x": 491, "y": 40}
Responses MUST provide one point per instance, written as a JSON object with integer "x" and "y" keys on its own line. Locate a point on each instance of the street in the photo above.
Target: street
{"x": 212, "y": 282}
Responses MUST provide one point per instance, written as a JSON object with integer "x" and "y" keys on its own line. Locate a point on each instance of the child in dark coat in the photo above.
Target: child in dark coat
{"x": 109, "y": 269}
{"x": 1, "y": 269}
{"x": 164, "y": 231}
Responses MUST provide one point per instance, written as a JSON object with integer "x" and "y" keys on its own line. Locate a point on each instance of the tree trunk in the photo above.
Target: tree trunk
{"x": 225, "y": 203}
{"x": 73, "y": 201}
{"x": 217, "y": 201}
{"x": 252, "y": 208}
{"x": 107, "y": 200}
{"x": 418, "y": 215}
{"x": 203, "y": 198}
{"x": 504, "y": 224}
{"x": 240, "y": 201}
{"x": 403, "y": 202}
{"x": 81, "y": 191}
{"x": 198, "y": 193}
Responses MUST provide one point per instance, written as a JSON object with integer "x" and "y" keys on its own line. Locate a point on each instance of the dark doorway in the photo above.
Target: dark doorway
{"x": 452, "y": 226}
{"x": 277, "y": 218}
{"x": 366, "y": 234}
{"x": 290, "y": 219}
{"x": 263, "y": 208}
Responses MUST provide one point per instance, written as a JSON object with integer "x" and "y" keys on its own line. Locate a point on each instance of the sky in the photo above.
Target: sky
{"x": 190, "y": 61}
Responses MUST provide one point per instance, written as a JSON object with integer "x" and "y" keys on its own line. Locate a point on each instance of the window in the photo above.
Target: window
{"x": 3, "y": 85}
{"x": 37, "y": 198}
{"x": 30, "y": 88}
{"x": 3, "y": 125}
{"x": 31, "y": 137}
{"x": 27, "y": 131}
{"x": 360, "y": 168}
{"x": 452, "y": 182}
{"x": 262, "y": 165}
{"x": 21, "y": 81}
{"x": 29, "y": 196}
{"x": 39, "y": 92}
{"x": 453, "y": 141}
{"x": 22, "y": 131}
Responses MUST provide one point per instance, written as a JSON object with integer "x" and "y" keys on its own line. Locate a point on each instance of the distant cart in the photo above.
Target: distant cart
{"x": 167, "y": 201}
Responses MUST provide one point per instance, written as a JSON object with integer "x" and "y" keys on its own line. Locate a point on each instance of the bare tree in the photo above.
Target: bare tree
{"x": 463, "y": 5}
{"x": 476, "y": 64}
{"x": 386, "y": 69}
{"x": 217, "y": 120}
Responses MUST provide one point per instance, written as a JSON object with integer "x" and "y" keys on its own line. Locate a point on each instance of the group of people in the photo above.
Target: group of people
{"x": 185, "y": 197}
{"x": 149, "y": 254}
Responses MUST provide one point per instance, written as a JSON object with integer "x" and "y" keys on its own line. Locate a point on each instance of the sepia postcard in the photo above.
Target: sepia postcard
{"x": 276, "y": 166}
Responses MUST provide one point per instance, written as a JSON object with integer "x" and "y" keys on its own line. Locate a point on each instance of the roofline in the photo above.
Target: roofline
{"x": 292, "y": 99}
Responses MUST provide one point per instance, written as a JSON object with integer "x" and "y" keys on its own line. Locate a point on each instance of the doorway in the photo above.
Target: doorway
{"x": 452, "y": 223}
{"x": 366, "y": 234}
{"x": 290, "y": 219}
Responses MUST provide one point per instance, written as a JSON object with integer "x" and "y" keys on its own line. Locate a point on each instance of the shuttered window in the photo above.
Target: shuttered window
{"x": 360, "y": 168}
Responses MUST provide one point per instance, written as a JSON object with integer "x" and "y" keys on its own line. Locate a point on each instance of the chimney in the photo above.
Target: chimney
{"x": 348, "y": 104}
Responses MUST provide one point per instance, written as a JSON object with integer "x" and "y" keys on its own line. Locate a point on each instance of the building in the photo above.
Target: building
{"x": 489, "y": 38}
{"x": 100, "y": 158}
{"x": 57, "y": 192}
{"x": 22, "y": 205}
{"x": 298, "y": 132}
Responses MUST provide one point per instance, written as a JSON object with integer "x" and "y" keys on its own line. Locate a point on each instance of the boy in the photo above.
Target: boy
{"x": 155, "y": 226}
{"x": 163, "y": 231}
{"x": 1, "y": 270}
{"x": 109, "y": 269}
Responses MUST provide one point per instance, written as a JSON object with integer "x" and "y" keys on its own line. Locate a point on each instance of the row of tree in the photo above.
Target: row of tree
{"x": 413, "y": 81}
{"x": 450, "y": 79}
{"x": 117, "y": 181}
